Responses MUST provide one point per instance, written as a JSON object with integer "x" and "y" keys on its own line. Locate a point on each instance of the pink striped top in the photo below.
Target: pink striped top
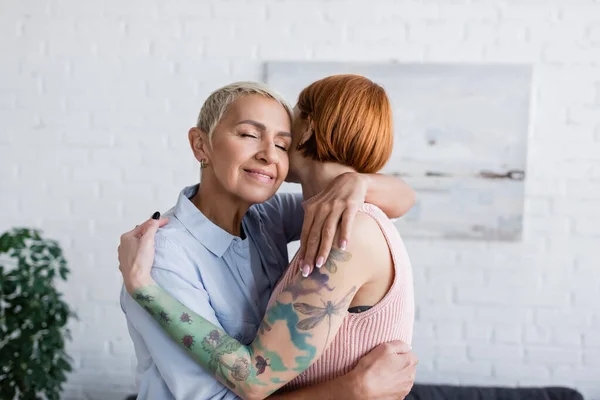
{"x": 390, "y": 319}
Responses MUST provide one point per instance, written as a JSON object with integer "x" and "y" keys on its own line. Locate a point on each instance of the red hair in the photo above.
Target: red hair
{"x": 352, "y": 122}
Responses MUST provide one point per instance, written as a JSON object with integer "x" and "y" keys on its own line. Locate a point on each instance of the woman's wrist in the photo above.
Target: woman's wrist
{"x": 134, "y": 284}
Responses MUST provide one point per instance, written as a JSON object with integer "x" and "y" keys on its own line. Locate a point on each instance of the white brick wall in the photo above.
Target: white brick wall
{"x": 96, "y": 99}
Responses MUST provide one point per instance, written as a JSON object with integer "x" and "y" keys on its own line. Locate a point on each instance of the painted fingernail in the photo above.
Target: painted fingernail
{"x": 343, "y": 245}
{"x": 156, "y": 215}
{"x": 319, "y": 262}
{"x": 305, "y": 271}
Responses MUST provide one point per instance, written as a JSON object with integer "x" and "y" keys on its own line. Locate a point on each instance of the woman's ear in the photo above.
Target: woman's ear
{"x": 310, "y": 130}
{"x": 199, "y": 144}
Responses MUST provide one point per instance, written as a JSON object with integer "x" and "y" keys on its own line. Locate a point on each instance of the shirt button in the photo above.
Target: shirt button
{"x": 238, "y": 337}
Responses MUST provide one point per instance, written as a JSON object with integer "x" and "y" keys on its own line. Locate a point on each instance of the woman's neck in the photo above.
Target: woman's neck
{"x": 220, "y": 207}
{"x": 316, "y": 176}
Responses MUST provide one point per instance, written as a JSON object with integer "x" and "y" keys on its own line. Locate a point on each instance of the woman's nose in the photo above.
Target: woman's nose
{"x": 268, "y": 153}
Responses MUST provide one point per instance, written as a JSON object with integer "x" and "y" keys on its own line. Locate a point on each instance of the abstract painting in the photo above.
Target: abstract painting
{"x": 460, "y": 140}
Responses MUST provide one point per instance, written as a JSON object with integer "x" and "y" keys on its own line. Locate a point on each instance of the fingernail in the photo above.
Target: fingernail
{"x": 156, "y": 215}
{"x": 305, "y": 271}
{"x": 319, "y": 262}
{"x": 343, "y": 245}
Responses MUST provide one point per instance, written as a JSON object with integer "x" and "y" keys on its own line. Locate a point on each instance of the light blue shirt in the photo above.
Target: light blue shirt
{"x": 221, "y": 277}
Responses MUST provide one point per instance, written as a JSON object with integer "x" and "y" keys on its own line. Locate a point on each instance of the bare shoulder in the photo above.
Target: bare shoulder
{"x": 367, "y": 243}
{"x": 365, "y": 230}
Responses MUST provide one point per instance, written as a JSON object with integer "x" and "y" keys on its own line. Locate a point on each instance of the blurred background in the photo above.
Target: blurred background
{"x": 96, "y": 99}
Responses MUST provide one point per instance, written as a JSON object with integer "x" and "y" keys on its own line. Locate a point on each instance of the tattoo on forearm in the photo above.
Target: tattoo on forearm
{"x": 239, "y": 366}
{"x": 188, "y": 341}
{"x": 216, "y": 344}
{"x": 146, "y": 298}
{"x": 164, "y": 317}
{"x": 185, "y": 317}
{"x": 219, "y": 353}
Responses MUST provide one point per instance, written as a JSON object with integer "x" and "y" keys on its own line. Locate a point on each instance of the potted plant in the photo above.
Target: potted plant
{"x": 33, "y": 317}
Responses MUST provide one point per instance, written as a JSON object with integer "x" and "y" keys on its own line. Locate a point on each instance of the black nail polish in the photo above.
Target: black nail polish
{"x": 156, "y": 215}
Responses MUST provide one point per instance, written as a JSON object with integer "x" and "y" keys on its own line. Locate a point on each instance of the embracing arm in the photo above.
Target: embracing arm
{"x": 175, "y": 374}
{"x": 392, "y": 195}
{"x": 296, "y": 329}
{"x": 336, "y": 207}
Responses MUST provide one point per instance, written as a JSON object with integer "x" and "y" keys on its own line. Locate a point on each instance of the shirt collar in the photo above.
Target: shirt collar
{"x": 211, "y": 236}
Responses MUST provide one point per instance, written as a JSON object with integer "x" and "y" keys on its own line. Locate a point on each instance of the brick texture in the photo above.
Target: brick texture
{"x": 96, "y": 99}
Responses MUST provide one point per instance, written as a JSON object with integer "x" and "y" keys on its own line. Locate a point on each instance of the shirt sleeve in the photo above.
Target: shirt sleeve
{"x": 292, "y": 214}
{"x": 184, "y": 378}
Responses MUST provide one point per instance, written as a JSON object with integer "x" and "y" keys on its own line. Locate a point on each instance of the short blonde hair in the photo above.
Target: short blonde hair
{"x": 217, "y": 104}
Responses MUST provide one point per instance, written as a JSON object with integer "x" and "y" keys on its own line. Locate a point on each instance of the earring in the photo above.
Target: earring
{"x": 203, "y": 164}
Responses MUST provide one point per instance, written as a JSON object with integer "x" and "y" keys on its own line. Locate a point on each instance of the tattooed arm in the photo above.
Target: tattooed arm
{"x": 165, "y": 370}
{"x": 298, "y": 326}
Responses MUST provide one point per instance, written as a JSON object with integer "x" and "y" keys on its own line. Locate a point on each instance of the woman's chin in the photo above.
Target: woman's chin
{"x": 257, "y": 196}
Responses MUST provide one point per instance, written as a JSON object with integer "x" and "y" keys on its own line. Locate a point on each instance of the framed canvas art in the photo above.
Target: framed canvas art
{"x": 460, "y": 140}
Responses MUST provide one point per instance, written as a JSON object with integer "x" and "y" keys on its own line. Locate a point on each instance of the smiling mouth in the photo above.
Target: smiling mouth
{"x": 260, "y": 176}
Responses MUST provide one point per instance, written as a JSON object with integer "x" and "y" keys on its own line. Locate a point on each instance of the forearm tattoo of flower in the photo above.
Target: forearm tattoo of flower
{"x": 216, "y": 344}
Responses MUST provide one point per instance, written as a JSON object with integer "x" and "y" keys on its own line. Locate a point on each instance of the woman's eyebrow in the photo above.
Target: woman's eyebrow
{"x": 262, "y": 127}
{"x": 256, "y": 124}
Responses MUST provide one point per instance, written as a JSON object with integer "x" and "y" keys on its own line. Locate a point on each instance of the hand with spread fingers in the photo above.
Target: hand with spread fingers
{"x": 136, "y": 253}
{"x": 323, "y": 214}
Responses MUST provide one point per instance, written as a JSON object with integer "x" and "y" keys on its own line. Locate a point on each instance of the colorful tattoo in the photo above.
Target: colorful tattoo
{"x": 215, "y": 336}
{"x": 314, "y": 284}
{"x": 164, "y": 317}
{"x": 264, "y": 327}
{"x": 238, "y": 366}
{"x": 185, "y": 317}
{"x": 241, "y": 369}
{"x": 275, "y": 361}
{"x": 217, "y": 344}
{"x": 285, "y": 312}
{"x": 336, "y": 255}
{"x": 261, "y": 364}
{"x": 318, "y": 314}
{"x": 188, "y": 341}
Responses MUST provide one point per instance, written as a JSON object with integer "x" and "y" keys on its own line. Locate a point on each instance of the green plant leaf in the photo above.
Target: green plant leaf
{"x": 228, "y": 345}
{"x": 33, "y": 317}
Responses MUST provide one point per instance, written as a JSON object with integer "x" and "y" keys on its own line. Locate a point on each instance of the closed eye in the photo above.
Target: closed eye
{"x": 248, "y": 135}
